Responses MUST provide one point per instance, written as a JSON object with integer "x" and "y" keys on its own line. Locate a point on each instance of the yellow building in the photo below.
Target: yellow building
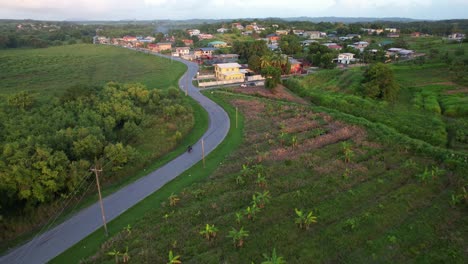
{"x": 228, "y": 72}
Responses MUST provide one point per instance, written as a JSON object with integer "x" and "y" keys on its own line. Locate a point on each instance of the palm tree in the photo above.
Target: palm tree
{"x": 274, "y": 259}
{"x": 305, "y": 220}
{"x": 238, "y": 236}
{"x": 115, "y": 253}
{"x": 173, "y": 259}
{"x": 265, "y": 61}
{"x": 209, "y": 232}
{"x": 260, "y": 199}
{"x": 173, "y": 199}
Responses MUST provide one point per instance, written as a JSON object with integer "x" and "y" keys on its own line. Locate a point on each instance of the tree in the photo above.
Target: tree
{"x": 304, "y": 220}
{"x": 255, "y": 63}
{"x": 290, "y": 44}
{"x": 274, "y": 259}
{"x": 272, "y": 75}
{"x": 379, "y": 83}
{"x": 22, "y": 100}
{"x": 238, "y": 236}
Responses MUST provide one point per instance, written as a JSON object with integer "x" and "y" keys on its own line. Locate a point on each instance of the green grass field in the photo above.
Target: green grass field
{"x": 53, "y": 70}
{"x": 374, "y": 202}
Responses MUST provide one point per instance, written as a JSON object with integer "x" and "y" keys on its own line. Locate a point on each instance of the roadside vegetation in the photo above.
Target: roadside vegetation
{"x": 305, "y": 187}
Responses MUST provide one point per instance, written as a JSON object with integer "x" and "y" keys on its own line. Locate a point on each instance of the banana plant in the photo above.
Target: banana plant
{"x": 174, "y": 259}
{"x": 274, "y": 259}
{"x": 238, "y": 236}
{"x": 115, "y": 253}
{"x": 251, "y": 211}
{"x": 173, "y": 199}
{"x": 261, "y": 198}
{"x": 209, "y": 232}
{"x": 304, "y": 220}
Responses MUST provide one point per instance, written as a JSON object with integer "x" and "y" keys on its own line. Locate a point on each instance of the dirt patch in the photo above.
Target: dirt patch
{"x": 279, "y": 93}
{"x": 253, "y": 109}
{"x": 340, "y": 133}
{"x": 456, "y": 91}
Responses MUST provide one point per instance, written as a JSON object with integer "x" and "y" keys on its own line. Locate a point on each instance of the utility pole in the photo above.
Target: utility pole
{"x": 236, "y": 116}
{"x": 96, "y": 172}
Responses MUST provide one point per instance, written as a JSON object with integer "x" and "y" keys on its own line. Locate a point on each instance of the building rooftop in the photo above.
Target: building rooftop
{"x": 228, "y": 65}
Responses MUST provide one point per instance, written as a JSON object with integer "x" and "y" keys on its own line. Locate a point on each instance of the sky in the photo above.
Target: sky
{"x": 228, "y": 9}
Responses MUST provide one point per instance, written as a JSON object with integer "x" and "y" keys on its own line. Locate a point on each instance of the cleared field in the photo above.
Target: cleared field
{"x": 374, "y": 202}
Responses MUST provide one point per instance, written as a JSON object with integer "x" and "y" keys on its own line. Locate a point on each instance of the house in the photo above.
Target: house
{"x": 298, "y": 32}
{"x": 188, "y": 42}
{"x": 351, "y": 36}
{"x": 181, "y": 51}
{"x": 273, "y": 46}
{"x": 237, "y": 26}
{"x": 393, "y": 35}
{"x": 222, "y": 30}
{"x": 205, "y": 36}
{"x": 228, "y": 72}
{"x": 456, "y": 36}
{"x": 307, "y": 42}
{"x": 273, "y": 38}
{"x": 371, "y": 31}
{"x": 345, "y": 58}
{"x": 217, "y": 44}
{"x": 225, "y": 58}
{"x": 281, "y": 32}
{"x": 313, "y": 34}
{"x": 360, "y": 45}
{"x": 296, "y": 66}
{"x": 333, "y": 46}
{"x": 416, "y": 34}
{"x": 204, "y": 53}
{"x": 406, "y": 53}
{"x": 161, "y": 46}
{"x": 129, "y": 38}
{"x": 392, "y": 30}
{"x": 193, "y": 32}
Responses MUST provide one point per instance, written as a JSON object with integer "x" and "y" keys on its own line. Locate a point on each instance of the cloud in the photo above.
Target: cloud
{"x": 371, "y": 4}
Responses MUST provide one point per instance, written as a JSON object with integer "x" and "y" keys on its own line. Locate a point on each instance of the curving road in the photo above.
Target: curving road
{"x": 55, "y": 241}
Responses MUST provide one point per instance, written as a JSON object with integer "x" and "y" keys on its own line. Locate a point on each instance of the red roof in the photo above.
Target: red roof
{"x": 335, "y": 47}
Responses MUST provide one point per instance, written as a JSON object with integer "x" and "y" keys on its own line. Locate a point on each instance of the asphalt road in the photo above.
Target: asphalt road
{"x": 55, "y": 241}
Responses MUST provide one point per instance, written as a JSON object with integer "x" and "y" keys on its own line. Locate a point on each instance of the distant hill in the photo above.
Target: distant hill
{"x": 350, "y": 19}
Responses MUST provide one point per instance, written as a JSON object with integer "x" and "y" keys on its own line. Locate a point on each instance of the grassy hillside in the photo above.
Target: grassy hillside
{"x": 430, "y": 106}
{"x": 53, "y": 70}
{"x": 374, "y": 201}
